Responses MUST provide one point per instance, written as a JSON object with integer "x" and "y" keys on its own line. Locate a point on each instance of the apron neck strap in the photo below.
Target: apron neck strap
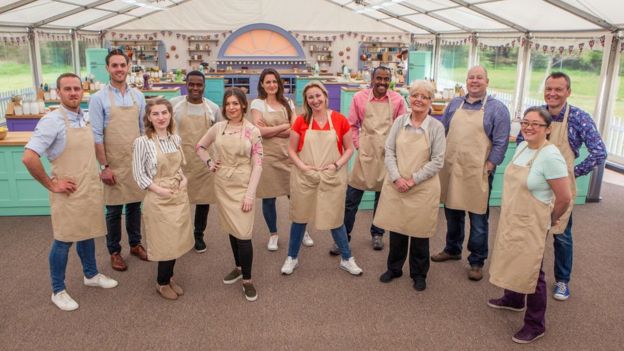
{"x": 370, "y": 95}
{"x": 546, "y": 143}
{"x": 329, "y": 120}
{"x": 111, "y": 96}
{"x": 203, "y": 107}
{"x": 482, "y": 105}
{"x": 64, "y": 114}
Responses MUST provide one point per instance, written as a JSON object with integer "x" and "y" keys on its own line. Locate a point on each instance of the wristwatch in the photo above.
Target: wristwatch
{"x": 102, "y": 167}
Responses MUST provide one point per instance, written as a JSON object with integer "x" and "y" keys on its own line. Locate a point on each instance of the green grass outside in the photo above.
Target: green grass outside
{"x": 17, "y": 76}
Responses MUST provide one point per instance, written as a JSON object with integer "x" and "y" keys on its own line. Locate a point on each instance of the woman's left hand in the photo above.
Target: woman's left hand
{"x": 330, "y": 167}
{"x": 247, "y": 204}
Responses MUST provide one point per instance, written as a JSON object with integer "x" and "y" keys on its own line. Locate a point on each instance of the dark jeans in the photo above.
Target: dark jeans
{"x": 201, "y": 220}
{"x": 535, "y": 303}
{"x": 165, "y": 271}
{"x": 270, "y": 214}
{"x": 113, "y": 225}
{"x": 418, "y": 255}
{"x": 58, "y": 261}
{"x": 479, "y": 227}
{"x": 243, "y": 255}
{"x": 563, "y": 254}
{"x": 352, "y": 201}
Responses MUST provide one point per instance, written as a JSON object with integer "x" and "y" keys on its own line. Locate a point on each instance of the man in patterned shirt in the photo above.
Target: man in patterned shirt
{"x": 576, "y": 128}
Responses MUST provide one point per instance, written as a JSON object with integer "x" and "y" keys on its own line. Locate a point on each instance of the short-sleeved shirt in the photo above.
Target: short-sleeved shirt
{"x": 258, "y": 104}
{"x": 548, "y": 165}
{"x": 340, "y": 122}
{"x": 50, "y": 135}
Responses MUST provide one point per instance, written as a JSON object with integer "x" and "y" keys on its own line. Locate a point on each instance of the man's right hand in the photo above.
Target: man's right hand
{"x": 108, "y": 177}
{"x": 63, "y": 186}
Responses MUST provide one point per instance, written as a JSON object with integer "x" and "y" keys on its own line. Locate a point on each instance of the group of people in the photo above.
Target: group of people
{"x": 170, "y": 155}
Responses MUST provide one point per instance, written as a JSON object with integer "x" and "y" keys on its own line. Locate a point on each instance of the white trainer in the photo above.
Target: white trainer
{"x": 101, "y": 281}
{"x": 289, "y": 265}
{"x": 272, "y": 245}
{"x": 63, "y": 301}
{"x": 350, "y": 266}
{"x": 307, "y": 240}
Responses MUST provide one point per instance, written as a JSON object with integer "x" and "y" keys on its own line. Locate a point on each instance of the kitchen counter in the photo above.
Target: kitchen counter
{"x": 16, "y": 139}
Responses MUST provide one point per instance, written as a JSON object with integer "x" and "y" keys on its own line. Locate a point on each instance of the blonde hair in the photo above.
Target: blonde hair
{"x": 149, "y": 127}
{"x": 422, "y": 85}
{"x": 307, "y": 110}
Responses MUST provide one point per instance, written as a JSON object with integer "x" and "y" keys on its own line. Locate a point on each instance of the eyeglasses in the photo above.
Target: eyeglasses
{"x": 420, "y": 96}
{"x": 525, "y": 124}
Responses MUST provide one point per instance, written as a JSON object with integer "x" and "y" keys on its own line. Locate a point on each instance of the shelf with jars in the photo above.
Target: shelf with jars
{"x": 139, "y": 50}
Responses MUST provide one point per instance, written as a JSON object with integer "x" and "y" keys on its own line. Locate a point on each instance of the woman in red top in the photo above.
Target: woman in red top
{"x": 320, "y": 145}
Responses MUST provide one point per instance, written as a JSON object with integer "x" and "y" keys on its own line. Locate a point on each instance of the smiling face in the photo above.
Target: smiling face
{"x": 534, "y": 129}
{"x": 117, "y": 68}
{"x": 556, "y": 93}
{"x": 380, "y": 82}
{"x": 420, "y": 101}
{"x": 233, "y": 108}
{"x": 70, "y": 92}
{"x": 316, "y": 99}
{"x": 270, "y": 84}
{"x": 195, "y": 86}
{"x": 477, "y": 82}
{"x": 160, "y": 117}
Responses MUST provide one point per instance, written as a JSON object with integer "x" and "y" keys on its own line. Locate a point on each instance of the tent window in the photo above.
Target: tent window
{"x": 501, "y": 63}
{"x": 56, "y": 58}
{"x": 453, "y": 66}
{"x": 15, "y": 63}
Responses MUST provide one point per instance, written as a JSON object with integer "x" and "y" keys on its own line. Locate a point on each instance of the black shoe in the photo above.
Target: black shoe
{"x": 420, "y": 284}
{"x": 335, "y": 250}
{"x": 377, "y": 242}
{"x": 388, "y": 276}
{"x": 200, "y": 245}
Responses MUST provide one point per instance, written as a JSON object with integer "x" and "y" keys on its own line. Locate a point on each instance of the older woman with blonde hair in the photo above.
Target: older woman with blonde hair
{"x": 410, "y": 196}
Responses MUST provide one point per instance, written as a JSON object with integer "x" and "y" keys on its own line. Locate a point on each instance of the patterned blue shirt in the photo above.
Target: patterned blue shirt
{"x": 581, "y": 129}
{"x": 100, "y": 107}
{"x": 496, "y": 123}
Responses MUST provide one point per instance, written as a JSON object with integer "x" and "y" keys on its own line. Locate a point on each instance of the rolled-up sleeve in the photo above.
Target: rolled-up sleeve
{"x": 96, "y": 116}
{"x": 140, "y": 164}
{"x": 390, "y": 158}
{"x": 43, "y": 137}
{"x": 437, "y": 145}
{"x": 141, "y": 101}
{"x": 500, "y": 133}
{"x": 355, "y": 120}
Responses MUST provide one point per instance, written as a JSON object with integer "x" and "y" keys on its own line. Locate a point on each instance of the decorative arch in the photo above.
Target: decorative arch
{"x": 261, "y": 41}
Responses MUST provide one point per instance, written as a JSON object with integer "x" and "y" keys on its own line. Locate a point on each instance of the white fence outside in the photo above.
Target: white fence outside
{"x": 615, "y": 139}
{"x": 5, "y": 98}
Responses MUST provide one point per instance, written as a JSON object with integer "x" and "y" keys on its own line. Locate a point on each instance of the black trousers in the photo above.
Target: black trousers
{"x": 418, "y": 255}
{"x": 201, "y": 220}
{"x": 243, "y": 255}
{"x": 165, "y": 271}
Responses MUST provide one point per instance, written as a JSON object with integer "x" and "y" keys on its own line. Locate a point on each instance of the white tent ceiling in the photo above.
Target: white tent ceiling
{"x": 423, "y": 17}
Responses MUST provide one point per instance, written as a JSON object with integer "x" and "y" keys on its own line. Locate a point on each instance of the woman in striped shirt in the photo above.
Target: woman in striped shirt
{"x": 156, "y": 166}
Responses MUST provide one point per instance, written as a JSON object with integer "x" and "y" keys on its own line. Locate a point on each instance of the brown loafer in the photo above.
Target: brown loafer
{"x": 139, "y": 252}
{"x": 176, "y": 288}
{"x": 475, "y": 273}
{"x": 445, "y": 256}
{"x": 166, "y": 292}
{"x": 117, "y": 262}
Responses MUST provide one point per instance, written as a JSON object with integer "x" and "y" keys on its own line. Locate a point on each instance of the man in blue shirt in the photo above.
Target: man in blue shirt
{"x": 477, "y": 134}
{"x": 116, "y": 114}
{"x": 571, "y": 128}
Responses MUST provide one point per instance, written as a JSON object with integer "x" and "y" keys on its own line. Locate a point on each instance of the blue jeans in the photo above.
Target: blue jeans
{"x": 352, "y": 201}
{"x": 270, "y": 214}
{"x": 296, "y": 236}
{"x": 113, "y": 225}
{"x": 563, "y": 254}
{"x": 479, "y": 227}
{"x": 58, "y": 261}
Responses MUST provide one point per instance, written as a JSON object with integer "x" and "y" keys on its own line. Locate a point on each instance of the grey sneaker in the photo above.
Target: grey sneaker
{"x": 250, "y": 292}
{"x": 378, "y": 242}
{"x": 335, "y": 250}
{"x": 234, "y": 276}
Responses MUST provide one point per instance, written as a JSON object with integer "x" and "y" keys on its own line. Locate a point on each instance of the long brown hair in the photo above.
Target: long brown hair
{"x": 239, "y": 95}
{"x": 149, "y": 127}
{"x": 307, "y": 110}
{"x": 279, "y": 96}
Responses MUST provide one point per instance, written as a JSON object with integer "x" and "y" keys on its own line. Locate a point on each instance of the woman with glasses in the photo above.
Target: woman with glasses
{"x": 535, "y": 194}
{"x": 410, "y": 196}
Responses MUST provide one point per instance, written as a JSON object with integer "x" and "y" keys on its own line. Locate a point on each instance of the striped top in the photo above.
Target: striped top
{"x": 144, "y": 157}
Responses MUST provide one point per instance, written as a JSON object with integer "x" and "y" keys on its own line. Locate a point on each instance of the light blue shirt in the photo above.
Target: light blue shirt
{"x": 50, "y": 135}
{"x": 549, "y": 164}
{"x": 100, "y": 107}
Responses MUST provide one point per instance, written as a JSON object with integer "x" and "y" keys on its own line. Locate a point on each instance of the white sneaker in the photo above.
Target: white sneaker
{"x": 307, "y": 240}
{"x": 63, "y": 301}
{"x": 289, "y": 265}
{"x": 272, "y": 245}
{"x": 101, "y": 281}
{"x": 350, "y": 266}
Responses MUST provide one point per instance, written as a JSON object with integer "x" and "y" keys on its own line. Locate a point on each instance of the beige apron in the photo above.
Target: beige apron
{"x": 122, "y": 129}
{"x": 415, "y": 212}
{"x": 521, "y": 235}
{"x": 200, "y": 179}
{"x": 275, "y": 179}
{"x": 232, "y": 180}
{"x": 80, "y": 215}
{"x": 559, "y": 137}
{"x": 464, "y": 177}
{"x": 319, "y": 196}
{"x": 368, "y": 167}
{"x": 168, "y": 228}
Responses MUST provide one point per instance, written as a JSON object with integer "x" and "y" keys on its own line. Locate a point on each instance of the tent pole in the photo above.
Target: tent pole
{"x": 35, "y": 57}
{"x": 524, "y": 59}
{"x": 436, "y": 57}
{"x": 75, "y": 51}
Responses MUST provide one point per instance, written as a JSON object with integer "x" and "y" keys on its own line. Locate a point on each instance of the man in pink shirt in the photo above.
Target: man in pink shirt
{"x": 371, "y": 115}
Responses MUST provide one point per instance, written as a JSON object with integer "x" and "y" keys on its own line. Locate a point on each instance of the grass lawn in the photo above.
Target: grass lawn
{"x": 18, "y": 76}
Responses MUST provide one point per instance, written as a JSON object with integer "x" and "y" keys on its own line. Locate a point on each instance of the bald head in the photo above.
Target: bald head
{"x": 477, "y": 82}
